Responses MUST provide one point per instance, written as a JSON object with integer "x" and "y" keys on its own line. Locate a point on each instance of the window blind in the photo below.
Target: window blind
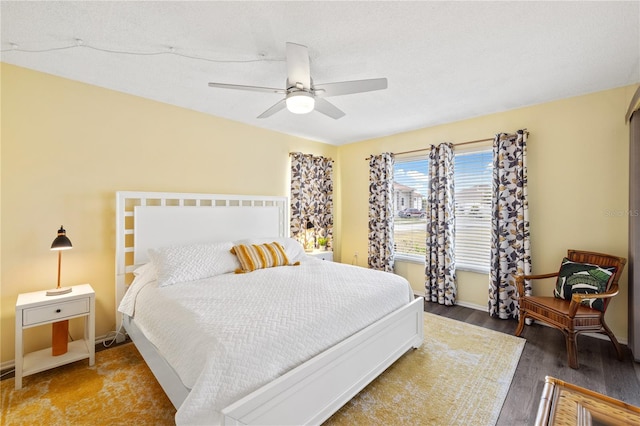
{"x": 473, "y": 176}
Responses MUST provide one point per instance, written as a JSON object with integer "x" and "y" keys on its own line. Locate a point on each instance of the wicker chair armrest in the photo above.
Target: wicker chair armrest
{"x": 541, "y": 276}
{"x": 520, "y": 280}
{"x": 577, "y": 298}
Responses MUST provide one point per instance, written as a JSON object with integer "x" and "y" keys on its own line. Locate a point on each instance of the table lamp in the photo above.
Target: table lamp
{"x": 309, "y": 244}
{"x": 60, "y": 243}
{"x": 60, "y": 329}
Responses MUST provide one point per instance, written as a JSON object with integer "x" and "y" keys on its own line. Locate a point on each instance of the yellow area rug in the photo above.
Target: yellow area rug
{"x": 459, "y": 376}
{"x": 118, "y": 390}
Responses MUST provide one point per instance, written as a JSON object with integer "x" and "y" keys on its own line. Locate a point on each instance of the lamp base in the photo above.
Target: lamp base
{"x": 59, "y": 337}
{"x": 59, "y": 291}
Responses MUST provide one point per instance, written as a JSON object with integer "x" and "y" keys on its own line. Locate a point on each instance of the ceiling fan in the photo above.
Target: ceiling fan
{"x": 301, "y": 95}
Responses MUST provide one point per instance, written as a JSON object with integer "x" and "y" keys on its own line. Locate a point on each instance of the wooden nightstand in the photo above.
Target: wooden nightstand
{"x": 36, "y": 309}
{"x": 322, "y": 254}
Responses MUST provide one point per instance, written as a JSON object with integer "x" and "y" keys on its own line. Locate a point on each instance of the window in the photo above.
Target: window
{"x": 473, "y": 175}
{"x": 410, "y": 187}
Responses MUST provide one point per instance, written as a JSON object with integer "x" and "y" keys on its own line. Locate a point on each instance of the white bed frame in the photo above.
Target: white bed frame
{"x": 308, "y": 394}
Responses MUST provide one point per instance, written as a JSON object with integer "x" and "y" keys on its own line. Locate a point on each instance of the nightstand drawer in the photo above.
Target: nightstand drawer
{"x": 55, "y": 311}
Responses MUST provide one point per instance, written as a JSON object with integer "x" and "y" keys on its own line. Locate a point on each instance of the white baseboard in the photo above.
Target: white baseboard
{"x": 473, "y": 306}
{"x": 8, "y": 364}
{"x": 459, "y": 303}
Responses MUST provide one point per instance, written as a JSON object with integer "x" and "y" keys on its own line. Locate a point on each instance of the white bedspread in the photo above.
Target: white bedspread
{"x": 229, "y": 335}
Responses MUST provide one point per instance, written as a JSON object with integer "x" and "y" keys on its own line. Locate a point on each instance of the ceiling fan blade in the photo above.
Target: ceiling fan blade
{"x": 328, "y": 109}
{"x": 298, "y": 70}
{"x": 251, "y": 88}
{"x": 349, "y": 87}
{"x": 277, "y": 107}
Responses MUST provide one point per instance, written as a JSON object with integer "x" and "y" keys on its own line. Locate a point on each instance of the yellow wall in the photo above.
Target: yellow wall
{"x": 578, "y": 186}
{"x": 67, "y": 147}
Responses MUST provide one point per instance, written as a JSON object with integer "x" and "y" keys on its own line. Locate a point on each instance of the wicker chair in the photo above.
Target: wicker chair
{"x": 570, "y": 316}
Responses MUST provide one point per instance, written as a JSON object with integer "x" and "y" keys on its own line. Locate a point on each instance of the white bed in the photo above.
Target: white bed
{"x": 318, "y": 373}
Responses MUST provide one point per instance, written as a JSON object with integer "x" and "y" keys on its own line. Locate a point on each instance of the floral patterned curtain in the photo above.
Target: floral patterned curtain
{"x": 311, "y": 198}
{"x": 510, "y": 245}
{"x": 440, "y": 285}
{"x": 381, "y": 212}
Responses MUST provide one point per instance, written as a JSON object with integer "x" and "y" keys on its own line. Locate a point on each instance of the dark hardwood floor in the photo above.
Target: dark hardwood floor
{"x": 545, "y": 354}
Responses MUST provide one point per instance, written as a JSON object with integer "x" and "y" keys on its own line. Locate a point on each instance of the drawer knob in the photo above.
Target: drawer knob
{"x": 58, "y": 310}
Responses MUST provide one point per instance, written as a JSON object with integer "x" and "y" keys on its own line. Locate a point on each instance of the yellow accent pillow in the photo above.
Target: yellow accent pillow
{"x": 252, "y": 257}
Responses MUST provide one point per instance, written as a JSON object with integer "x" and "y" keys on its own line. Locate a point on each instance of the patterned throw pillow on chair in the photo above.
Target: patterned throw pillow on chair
{"x": 582, "y": 278}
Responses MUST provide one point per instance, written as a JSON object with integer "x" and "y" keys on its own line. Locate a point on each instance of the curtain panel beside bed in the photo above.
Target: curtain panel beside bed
{"x": 381, "y": 250}
{"x": 311, "y": 198}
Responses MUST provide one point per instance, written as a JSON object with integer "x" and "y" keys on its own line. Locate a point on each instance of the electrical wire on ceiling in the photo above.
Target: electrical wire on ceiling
{"x": 170, "y": 50}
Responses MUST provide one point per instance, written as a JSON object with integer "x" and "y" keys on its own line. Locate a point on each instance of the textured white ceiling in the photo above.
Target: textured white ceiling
{"x": 445, "y": 61}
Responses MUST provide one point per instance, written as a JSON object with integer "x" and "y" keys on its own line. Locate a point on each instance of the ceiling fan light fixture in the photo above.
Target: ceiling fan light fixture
{"x": 300, "y": 102}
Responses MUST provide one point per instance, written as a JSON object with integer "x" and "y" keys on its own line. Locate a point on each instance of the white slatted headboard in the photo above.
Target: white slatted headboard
{"x": 147, "y": 220}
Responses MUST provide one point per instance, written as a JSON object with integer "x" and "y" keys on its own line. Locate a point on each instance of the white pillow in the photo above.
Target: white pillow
{"x": 192, "y": 262}
{"x": 144, "y": 275}
{"x": 293, "y": 248}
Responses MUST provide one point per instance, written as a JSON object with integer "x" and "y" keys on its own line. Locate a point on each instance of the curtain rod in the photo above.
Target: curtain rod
{"x": 429, "y": 149}
{"x": 454, "y": 144}
{"x": 311, "y": 155}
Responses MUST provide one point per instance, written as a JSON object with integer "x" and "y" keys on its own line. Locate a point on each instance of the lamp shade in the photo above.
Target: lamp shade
{"x": 61, "y": 242}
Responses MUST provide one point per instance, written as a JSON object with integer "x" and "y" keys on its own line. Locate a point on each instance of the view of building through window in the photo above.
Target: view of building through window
{"x": 472, "y": 208}
{"x": 410, "y": 188}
